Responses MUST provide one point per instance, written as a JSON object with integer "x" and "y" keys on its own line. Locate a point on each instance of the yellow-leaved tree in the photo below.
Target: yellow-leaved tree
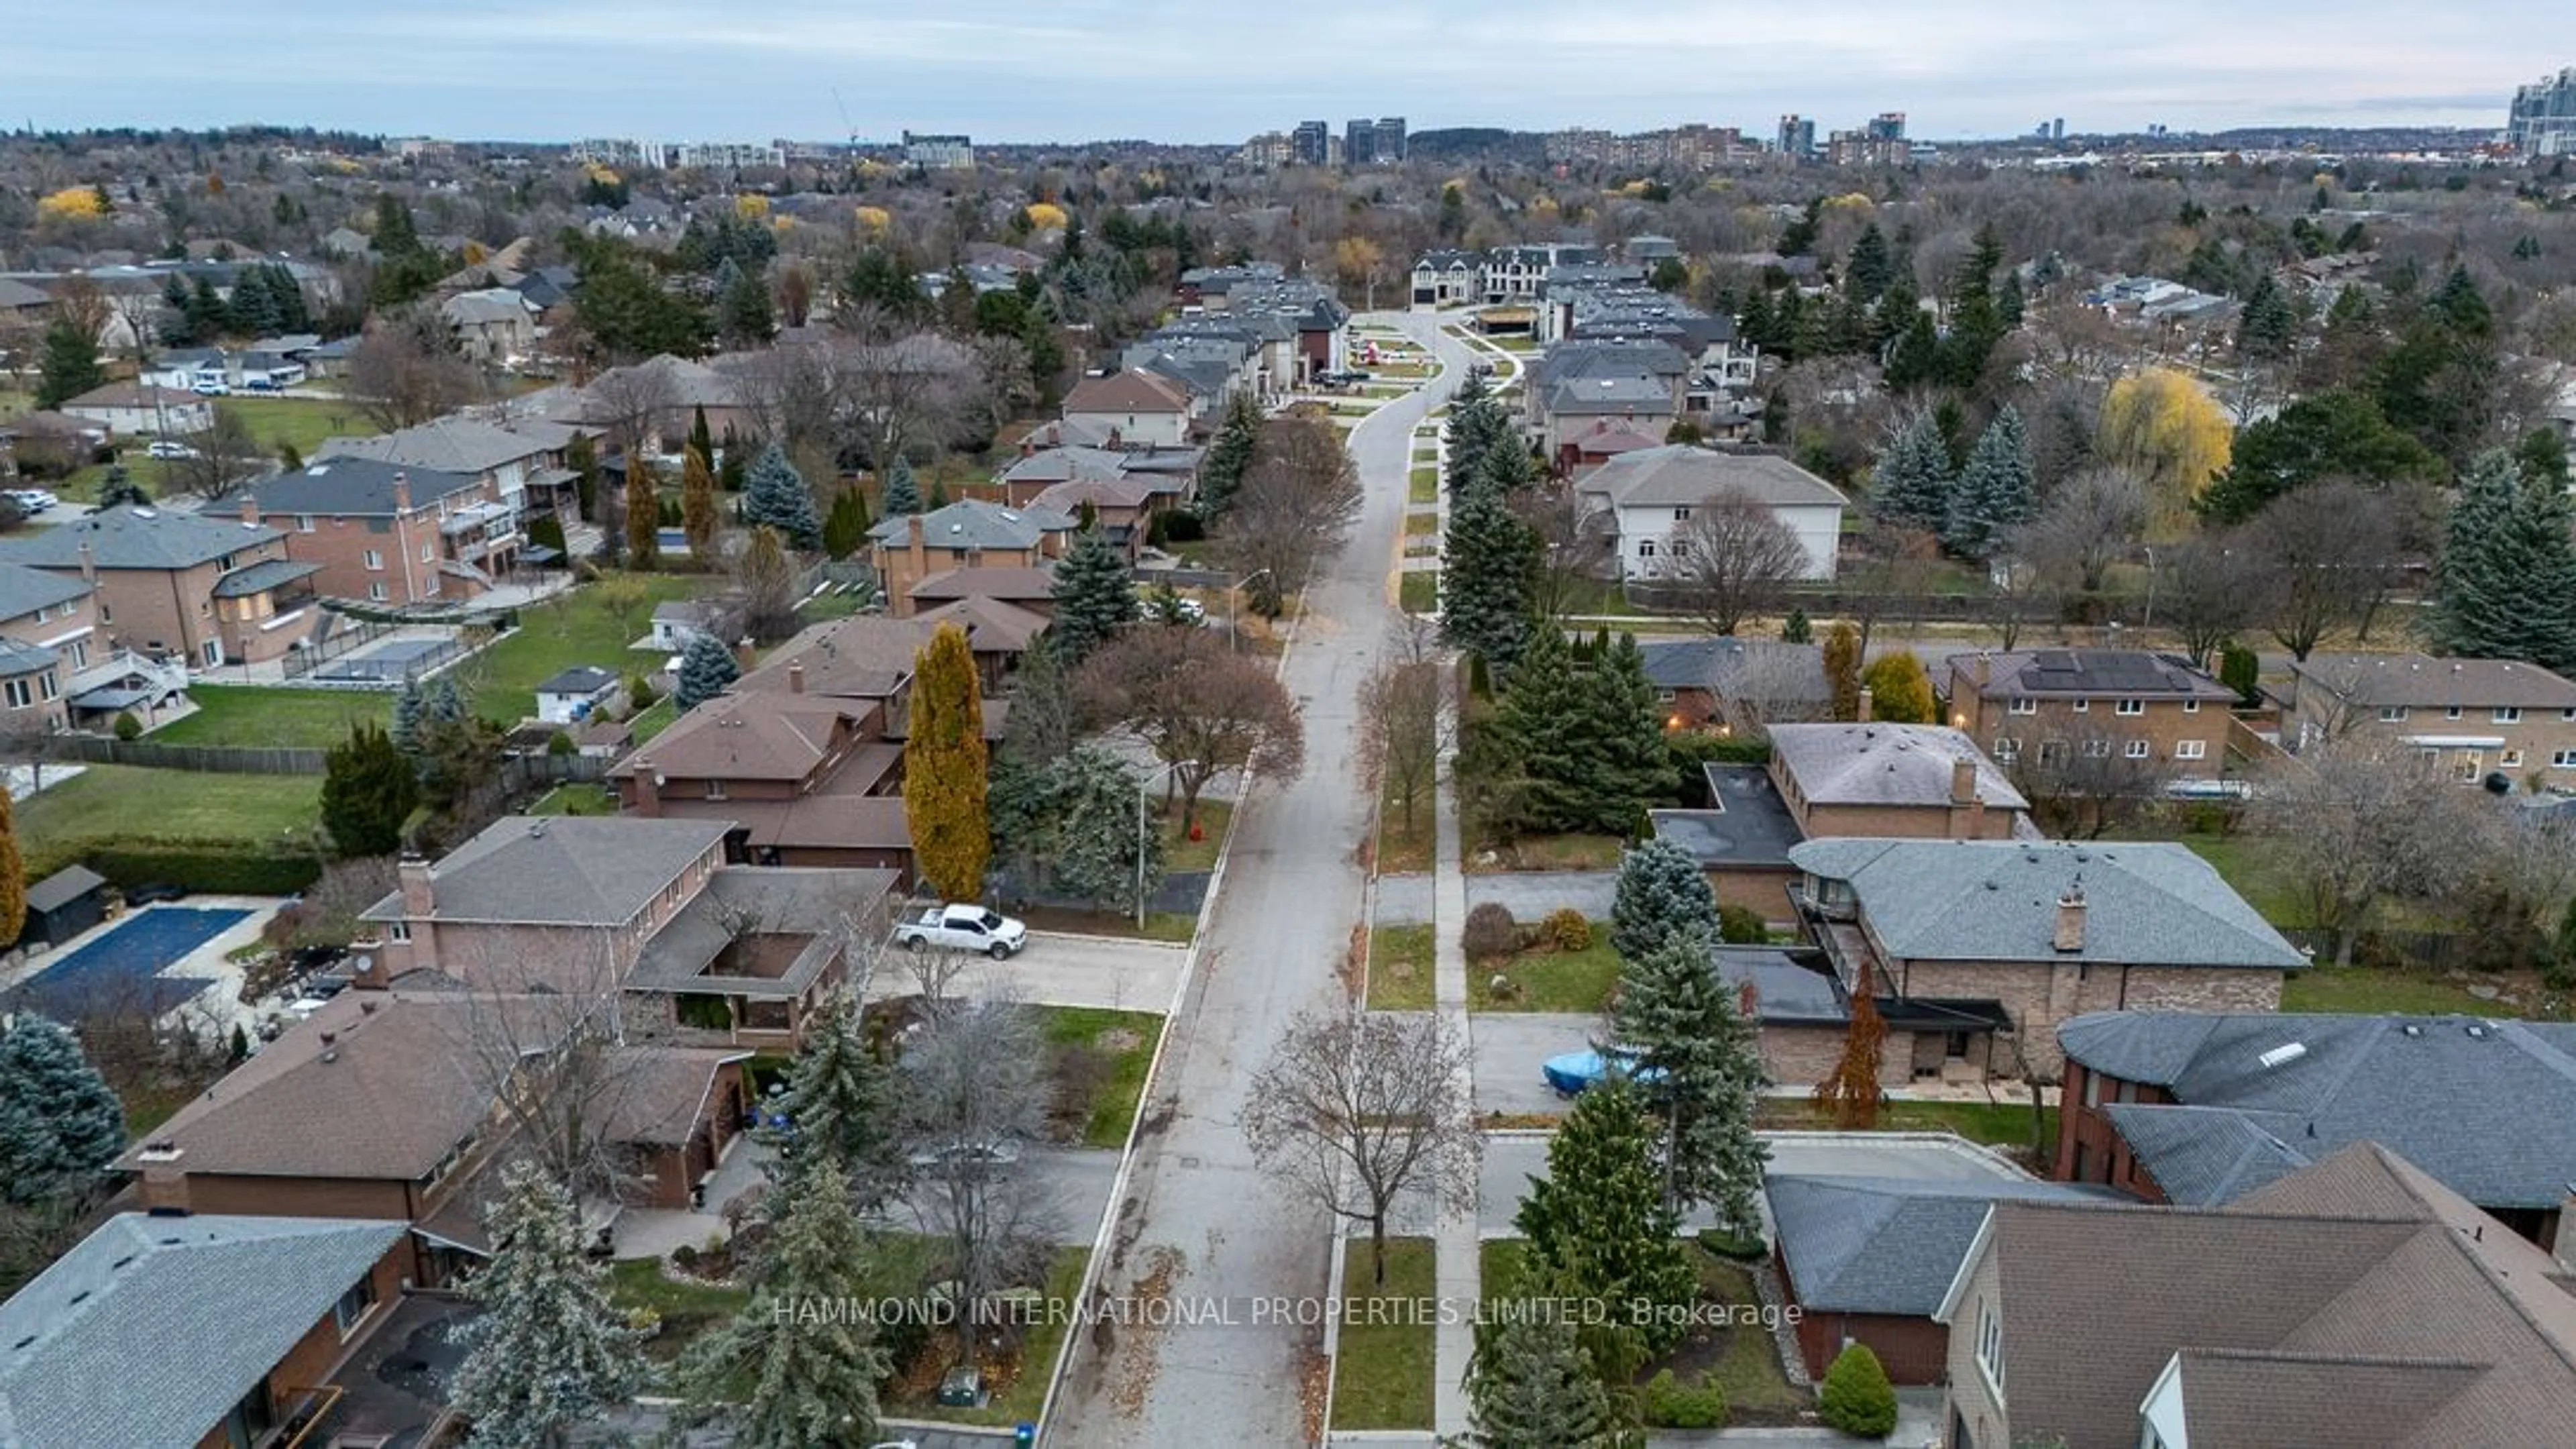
{"x": 1045, "y": 216}
{"x": 944, "y": 775}
{"x": 698, "y": 512}
{"x": 1900, "y": 690}
{"x": 72, "y": 203}
{"x": 751, "y": 206}
{"x": 2165, "y": 428}
{"x": 873, "y": 221}
{"x": 1357, "y": 259}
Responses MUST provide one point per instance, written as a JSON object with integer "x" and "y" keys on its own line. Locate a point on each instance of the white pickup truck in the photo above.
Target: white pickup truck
{"x": 963, "y": 928}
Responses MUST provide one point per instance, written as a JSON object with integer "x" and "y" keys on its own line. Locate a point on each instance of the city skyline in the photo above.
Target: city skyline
{"x": 1008, "y": 71}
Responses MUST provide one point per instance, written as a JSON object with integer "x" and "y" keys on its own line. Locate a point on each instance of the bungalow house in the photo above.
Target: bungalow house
{"x": 48, "y": 633}
{"x": 203, "y": 590}
{"x": 2357, "y": 1302}
{"x": 1734, "y": 685}
{"x": 210, "y": 1331}
{"x": 2011, "y": 938}
{"x": 1647, "y": 496}
{"x": 1137, "y": 408}
{"x": 389, "y": 534}
{"x": 2199, "y": 1110}
{"x": 1868, "y": 1259}
{"x": 2050, "y": 702}
{"x": 968, "y": 534}
{"x": 136, "y": 410}
{"x": 1913, "y": 781}
{"x": 2480, "y": 717}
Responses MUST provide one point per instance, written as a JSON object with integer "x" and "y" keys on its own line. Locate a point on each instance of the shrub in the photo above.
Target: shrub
{"x": 1490, "y": 932}
{"x": 1183, "y": 526}
{"x": 1670, "y": 1405}
{"x": 223, "y": 869}
{"x": 1742, "y": 1247}
{"x": 1856, "y": 1397}
{"x": 561, "y": 743}
{"x": 1741, "y": 926}
{"x": 1566, "y": 929}
{"x": 128, "y": 728}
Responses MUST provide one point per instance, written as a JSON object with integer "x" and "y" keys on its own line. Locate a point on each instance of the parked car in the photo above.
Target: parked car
{"x": 261, "y": 384}
{"x": 210, "y": 388}
{"x": 167, "y": 449}
{"x": 964, "y": 928}
{"x": 1569, "y": 1074}
{"x": 31, "y": 500}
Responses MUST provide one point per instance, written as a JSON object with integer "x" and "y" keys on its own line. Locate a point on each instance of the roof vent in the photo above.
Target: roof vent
{"x": 2412, "y": 1029}
{"x": 2477, "y": 1032}
{"x": 145, "y": 513}
{"x": 2282, "y": 1056}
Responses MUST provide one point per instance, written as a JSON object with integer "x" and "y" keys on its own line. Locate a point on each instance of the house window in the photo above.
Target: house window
{"x": 2097, "y": 749}
{"x": 20, "y": 694}
{"x": 2191, "y": 749}
{"x": 1990, "y": 1346}
{"x": 1680, "y": 547}
{"x": 2139, "y": 749}
{"x": 2007, "y": 749}
{"x": 715, "y": 789}
{"x": 1681, "y": 515}
{"x": 2509, "y": 760}
{"x": 2392, "y": 714}
{"x": 1664, "y": 696}
{"x": 428, "y": 552}
{"x": 2052, "y": 752}
{"x": 375, "y": 559}
{"x": 79, "y": 651}
{"x": 304, "y": 523}
{"x": 376, "y": 591}
{"x": 214, "y": 651}
{"x": 2567, "y": 716}
{"x": 1645, "y": 548}
{"x": 2023, "y": 705}
{"x": 2191, "y": 706}
{"x": 2508, "y": 714}
{"x": 2562, "y": 760}
{"x": 398, "y": 931}
{"x": 2453, "y": 712}
{"x": 47, "y": 689}
{"x": 2130, "y": 707}
{"x": 2083, "y": 706}
{"x": 353, "y": 1305}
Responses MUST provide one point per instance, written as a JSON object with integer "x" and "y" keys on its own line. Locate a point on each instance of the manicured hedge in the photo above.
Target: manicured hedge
{"x": 218, "y": 869}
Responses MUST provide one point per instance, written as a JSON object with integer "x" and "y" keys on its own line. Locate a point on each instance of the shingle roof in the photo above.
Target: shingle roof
{"x": 2147, "y": 903}
{"x": 1614, "y": 395}
{"x": 866, "y": 656}
{"x": 151, "y": 1329}
{"x": 447, "y": 445}
{"x": 2088, "y": 673}
{"x": 734, "y": 736}
{"x": 2421, "y": 681}
{"x": 663, "y": 1094}
{"x": 1680, "y": 475}
{"x": 993, "y": 626}
{"x": 973, "y": 524}
{"x": 2491, "y": 1115}
{"x": 2208, "y": 1156}
{"x": 1031, "y": 583}
{"x": 18, "y": 659}
{"x": 1782, "y": 673}
{"x": 1889, "y": 1245}
{"x": 567, "y": 870}
{"x": 259, "y": 578}
{"x": 1886, "y": 764}
{"x": 815, "y": 911}
{"x": 126, "y": 537}
{"x": 1130, "y": 391}
{"x": 24, "y": 590}
{"x": 354, "y": 486}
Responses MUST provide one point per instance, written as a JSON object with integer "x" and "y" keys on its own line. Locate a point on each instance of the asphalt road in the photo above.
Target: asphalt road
{"x": 1199, "y": 1223}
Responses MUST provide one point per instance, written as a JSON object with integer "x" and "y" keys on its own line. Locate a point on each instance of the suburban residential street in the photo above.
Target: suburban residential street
{"x": 1198, "y": 1223}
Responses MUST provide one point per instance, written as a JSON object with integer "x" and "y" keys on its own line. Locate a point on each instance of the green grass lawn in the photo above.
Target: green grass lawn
{"x": 1400, "y": 966}
{"x": 300, "y": 421}
{"x": 553, "y": 636}
{"x": 1996, "y": 1124}
{"x": 2375, "y": 989}
{"x": 578, "y": 799}
{"x": 2252, "y": 865}
{"x": 1423, "y": 485}
{"x": 248, "y": 715}
{"x": 1419, "y": 591}
{"x": 1403, "y": 850}
{"x": 108, "y": 803}
{"x": 1739, "y": 1358}
{"x": 1558, "y": 852}
{"x": 1419, "y": 525}
{"x": 1557, "y": 981}
{"x": 1182, "y": 853}
{"x": 651, "y": 722}
{"x": 1166, "y": 926}
{"x": 1019, "y": 1399}
{"x": 687, "y": 1309}
{"x": 1125, "y": 1040}
{"x": 1382, "y": 1377}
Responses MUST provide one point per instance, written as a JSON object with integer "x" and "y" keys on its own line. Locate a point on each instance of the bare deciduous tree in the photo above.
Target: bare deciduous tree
{"x": 2328, "y": 553}
{"x": 1293, "y": 504}
{"x": 975, "y": 1092}
{"x": 1733, "y": 559}
{"x": 633, "y": 405}
{"x": 220, "y": 458}
{"x": 1202, "y": 708}
{"x": 1575, "y": 545}
{"x": 2092, "y": 522}
{"x": 2207, "y": 589}
{"x": 1401, "y": 728}
{"x": 405, "y": 370}
{"x": 2361, "y": 822}
{"x": 1360, "y": 1109}
{"x": 2089, "y": 781}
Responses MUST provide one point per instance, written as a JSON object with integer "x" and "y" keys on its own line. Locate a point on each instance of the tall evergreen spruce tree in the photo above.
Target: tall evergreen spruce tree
{"x": 1598, "y": 1220}
{"x": 1911, "y": 484}
{"x": 1628, "y": 760}
{"x": 1698, "y": 1050}
{"x": 706, "y": 667}
{"x": 1094, "y": 594}
{"x": 1532, "y": 1389}
{"x": 369, "y": 788}
{"x": 1230, "y": 456}
{"x": 775, "y": 494}
{"x": 1995, "y": 492}
{"x": 60, "y": 1123}
{"x": 902, "y": 490}
{"x": 843, "y": 1099}
{"x": 1478, "y": 424}
{"x": 1662, "y": 896}
{"x": 1488, "y": 574}
{"x": 1541, "y": 721}
{"x": 2507, "y": 587}
{"x": 548, "y": 1353}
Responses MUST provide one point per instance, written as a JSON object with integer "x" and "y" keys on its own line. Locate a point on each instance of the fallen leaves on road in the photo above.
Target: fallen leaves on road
{"x": 1354, "y": 968}
{"x": 1139, "y": 1350}
{"x": 1314, "y": 1386}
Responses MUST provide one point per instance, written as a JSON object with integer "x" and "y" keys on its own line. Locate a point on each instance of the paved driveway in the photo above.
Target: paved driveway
{"x": 1075, "y": 1183}
{"x": 1508, "y": 1048}
{"x": 1055, "y": 970}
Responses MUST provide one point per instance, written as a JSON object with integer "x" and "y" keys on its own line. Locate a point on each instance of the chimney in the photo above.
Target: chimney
{"x": 2563, "y": 1246}
{"x": 165, "y": 1182}
{"x": 745, "y": 654}
{"x": 920, "y": 551}
{"x": 249, "y": 508}
{"x": 2070, "y": 919}
{"x": 1985, "y": 669}
{"x": 1867, "y": 710}
{"x": 419, "y": 898}
{"x": 1028, "y": 448}
{"x": 1963, "y": 783}
{"x": 88, "y": 564}
{"x": 402, "y": 494}
{"x": 795, "y": 676}
{"x": 648, "y": 787}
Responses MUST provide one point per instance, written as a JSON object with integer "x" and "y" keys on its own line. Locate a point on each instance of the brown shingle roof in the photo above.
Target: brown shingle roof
{"x": 866, "y": 656}
{"x": 1132, "y": 391}
{"x": 751, "y": 737}
{"x": 993, "y": 626}
{"x": 1020, "y": 585}
{"x": 663, "y": 1092}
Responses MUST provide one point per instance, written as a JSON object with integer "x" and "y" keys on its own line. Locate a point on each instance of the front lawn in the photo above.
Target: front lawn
{"x": 1419, "y": 591}
{"x": 1555, "y": 852}
{"x": 2003, "y": 1124}
{"x": 1100, "y": 1060}
{"x": 1401, "y": 961}
{"x": 1183, "y": 853}
{"x": 1423, "y": 485}
{"x": 687, "y": 1309}
{"x": 1382, "y": 1376}
{"x": 568, "y": 629}
{"x": 243, "y": 715}
{"x": 113, "y": 804}
{"x": 1547, "y": 980}
{"x": 1168, "y": 926}
{"x": 1731, "y": 1347}
{"x": 1017, "y": 1382}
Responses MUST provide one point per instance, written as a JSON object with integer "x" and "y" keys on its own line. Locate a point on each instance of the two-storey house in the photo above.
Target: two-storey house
{"x": 1647, "y": 498}
{"x": 2480, "y": 717}
{"x": 389, "y": 534}
{"x": 205, "y": 590}
{"x": 2052, "y": 703}
{"x": 968, "y": 534}
{"x": 48, "y": 634}
{"x": 1134, "y": 409}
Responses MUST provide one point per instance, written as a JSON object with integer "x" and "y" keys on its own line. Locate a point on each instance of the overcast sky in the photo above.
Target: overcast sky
{"x": 1217, "y": 70}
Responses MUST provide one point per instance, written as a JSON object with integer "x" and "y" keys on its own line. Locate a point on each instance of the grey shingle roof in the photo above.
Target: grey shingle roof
{"x": 1717, "y": 663}
{"x": 1889, "y": 1245}
{"x": 350, "y": 486}
{"x": 126, "y": 537}
{"x": 972, "y": 523}
{"x": 2148, "y": 903}
{"x": 24, "y": 590}
{"x": 2492, "y": 1116}
{"x": 567, "y": 870}
{"x": 2420, "y": 681}
{"x": 1614, "y": 394}
{"x": 17, "y": 659}
{"x": 579, "y": 679}
{"x": 447, "y": 445}
{"x": 259, "y": 578}
{"x": 201, "y": 1307}
{"x": 1884, "y": 764}
{"x": 813, "y": 908}
{"x": 2208, "y": 1156}
{"x": 1681, "y": 475}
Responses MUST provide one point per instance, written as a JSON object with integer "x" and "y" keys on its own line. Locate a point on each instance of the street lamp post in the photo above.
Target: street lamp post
{"x": 1140, "y": 839}
{"x": 2149, "y": 621}
{"x": 1234, "y": 609}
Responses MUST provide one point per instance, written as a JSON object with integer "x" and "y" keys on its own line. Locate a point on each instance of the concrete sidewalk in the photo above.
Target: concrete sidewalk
{"x": 1458, "y": 1275}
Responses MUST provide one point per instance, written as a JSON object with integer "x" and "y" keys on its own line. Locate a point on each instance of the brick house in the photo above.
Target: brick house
{"x": 1867, "y": 1259}
{"x": 48, "y": 630}
{"x": 1741, "y": 841}
{"x": 2012, "y": 938}
{"x": 2358, "y": 1301}
{"x": 519, "y": 460}
{"x": 2479, "y": 716}
{"x": 1135, "y": 407}
{"x": 1908, "y": 781}
{"x": 390, "y": 535}
{"x": 2046, "y": 702}
{"x": 213, "y": 1331}
{"x": 205, "y": 590}
{"x": 1736, "y": 686}
{"x": 968, "y": 534}
{"x": 2199, "y": 1110}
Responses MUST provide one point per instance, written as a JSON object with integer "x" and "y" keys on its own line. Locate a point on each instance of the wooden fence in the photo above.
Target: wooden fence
{"x": 209, "y": 759}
